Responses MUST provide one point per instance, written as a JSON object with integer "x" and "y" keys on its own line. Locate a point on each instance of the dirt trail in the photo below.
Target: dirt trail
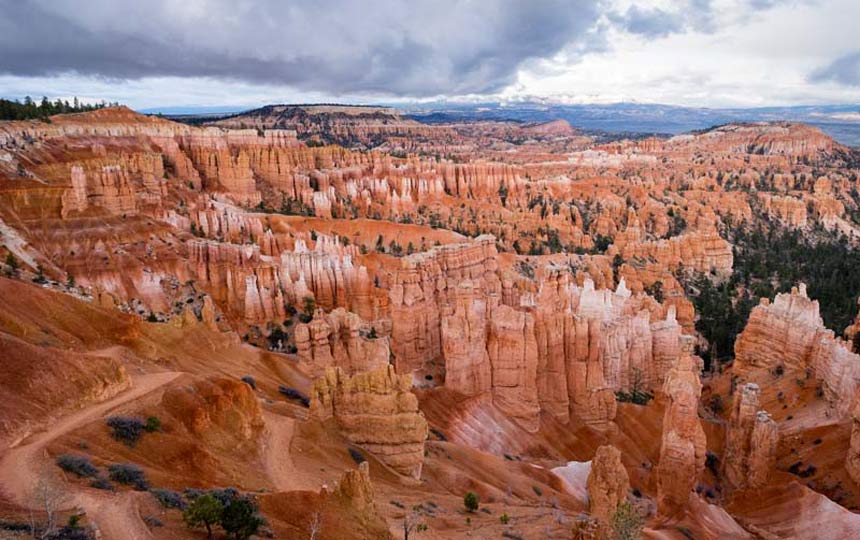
{"x": 115, "y": 513}
{"x": 277, "y": 456}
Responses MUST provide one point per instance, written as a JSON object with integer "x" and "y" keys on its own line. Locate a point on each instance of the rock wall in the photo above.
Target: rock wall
{"x": 375, "y": 410}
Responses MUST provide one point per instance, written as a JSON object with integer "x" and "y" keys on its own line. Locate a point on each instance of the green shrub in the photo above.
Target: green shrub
{"x": 204, "y": 510}
{"x": 470, "y": 501}
{"x": 153, "y": 424}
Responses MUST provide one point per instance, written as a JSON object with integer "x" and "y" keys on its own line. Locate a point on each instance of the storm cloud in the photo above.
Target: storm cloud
{"x": 843, "y": 70}
{"x": 416, "y": 48}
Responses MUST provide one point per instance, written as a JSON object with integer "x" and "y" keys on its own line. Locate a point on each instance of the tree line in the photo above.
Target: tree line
{"x": 29, "y": 109}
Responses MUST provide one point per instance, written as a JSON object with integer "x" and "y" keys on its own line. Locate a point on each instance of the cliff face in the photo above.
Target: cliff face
{"x": 563, "y": 349}
{"x": 682, "y": 450}
{"x": 790, "y": 333}
{"x": 751, "y": 441}
{"x": 377, "y": 411}
{"x": 341, "y": 339}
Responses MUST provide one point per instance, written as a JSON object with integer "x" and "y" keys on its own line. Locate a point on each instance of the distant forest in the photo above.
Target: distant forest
{"x": 29, "y": 109}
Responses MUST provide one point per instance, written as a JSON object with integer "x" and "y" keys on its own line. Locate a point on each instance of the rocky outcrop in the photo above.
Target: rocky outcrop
{"x": 751, "y": 440}
{"x": 220, "y": 412}
{"x": 608, "y": 483}
{"x": 790, "y": 333}
{"x": 375, "y": 410}
{"x": 682, "y": 450}
{"x": 355, "y": 493}
{"x": 341, "y": 339}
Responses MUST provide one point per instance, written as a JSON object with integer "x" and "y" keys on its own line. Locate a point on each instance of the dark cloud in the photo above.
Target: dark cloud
{"x": 686, "y": 15}
{"x": 416, "y": 48}
{"x": 654, "y": 22}
{"x": 844, "y": 70}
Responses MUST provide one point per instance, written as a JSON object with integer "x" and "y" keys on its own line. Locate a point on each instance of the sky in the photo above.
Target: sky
{"x": 246, "y": 53}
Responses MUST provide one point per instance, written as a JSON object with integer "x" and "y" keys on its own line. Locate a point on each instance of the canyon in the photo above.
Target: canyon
{"x": 357, "y": 318}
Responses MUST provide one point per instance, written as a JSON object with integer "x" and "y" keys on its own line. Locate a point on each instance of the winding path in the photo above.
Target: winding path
{"x": 114, "y": 513}
{"x": 277, "y": 456}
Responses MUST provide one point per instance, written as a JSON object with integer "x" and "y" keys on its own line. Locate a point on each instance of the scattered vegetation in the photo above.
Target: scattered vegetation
{"x": 627, "y": 523}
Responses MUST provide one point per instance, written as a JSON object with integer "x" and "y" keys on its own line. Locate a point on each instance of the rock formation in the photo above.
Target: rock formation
{"x": 221, "y": 412}
{"x": 682, "y": 451}
{"x": 608, "y": 483}
{"x": 790, "y": 333}
{"x": 375, "y": 410}
{"x": 751, "y": 440}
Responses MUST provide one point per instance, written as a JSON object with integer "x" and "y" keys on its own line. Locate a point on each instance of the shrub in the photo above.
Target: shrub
{"x": 153, "y": 424}
{"x": 153, "y": 522}
{"x": 69, "y": 533}
{"x": 716, "y": 404}
{"x": 636, "y": 397}
{"x": 712, "y": 462}
{"x": 169, "y": 498}
{"x": 128, "y": 474}
{"x": 247, "y": 379}
{"x": 470, "y": 501}
{"x": 504, "y": 518}
{"x": 102, "y": 483}
{"x": 126, "y": 429}
{"x": 357, "y": 456}
{"x": 78, "y": 465}
{"x": 292, "y": 393}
